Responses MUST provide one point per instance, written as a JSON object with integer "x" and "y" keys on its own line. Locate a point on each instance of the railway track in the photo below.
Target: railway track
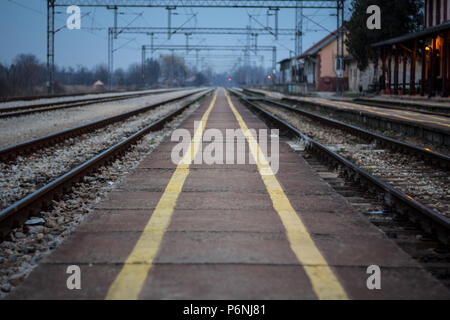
{"x": 435, "y": 224}
{"x": 51, "y": 96}
{"x": 29, "y": 98}
{"x": 430, "y": 253}
{"x": 11, "y": 152}
{"x": 16, "y": 213}
{"x": 8, "y": 112}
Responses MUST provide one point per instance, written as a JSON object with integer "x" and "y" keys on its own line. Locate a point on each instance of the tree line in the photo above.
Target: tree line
{"x": 27, "y": 76}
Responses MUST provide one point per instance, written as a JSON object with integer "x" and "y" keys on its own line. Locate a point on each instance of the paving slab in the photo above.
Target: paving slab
{"x": 227, "y": 282}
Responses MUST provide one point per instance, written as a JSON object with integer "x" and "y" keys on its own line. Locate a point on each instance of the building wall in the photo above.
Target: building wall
{"x": 437, "y": 12}
{"x": 318, "y": 70}
{"x": 327, "y": 57}
{"x": 285, "y": 72}
{"x": 325, "y": 73}
{"x": 357, "y": 78}
{"x": 365, "y": 78}
{"x": 310, "y": 70}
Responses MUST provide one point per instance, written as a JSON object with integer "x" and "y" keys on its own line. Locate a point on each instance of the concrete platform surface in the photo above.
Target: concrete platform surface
{"x": 227, "y": 231}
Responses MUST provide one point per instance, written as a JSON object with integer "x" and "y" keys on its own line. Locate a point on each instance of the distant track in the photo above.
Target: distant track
{"x": 32, "y": 204}
{"x": 29, "y": 146}
{"x": 8, "y": 112}
{"x": 63, "y": 95}
{"x": 28, "y": 98}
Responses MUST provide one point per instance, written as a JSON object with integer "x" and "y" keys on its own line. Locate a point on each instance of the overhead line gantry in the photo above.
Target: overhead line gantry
{"x": 274, "y": 5}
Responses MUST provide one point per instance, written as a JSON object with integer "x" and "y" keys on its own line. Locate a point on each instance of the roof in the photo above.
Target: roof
{"x": 285, "y": 60}
{"x": 319, "y": 45}
{"x": 414, "y": 35}
{"x": 315, "y": 48}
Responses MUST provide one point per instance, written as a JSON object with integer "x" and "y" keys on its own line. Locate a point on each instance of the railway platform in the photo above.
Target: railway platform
{"x": 227, "y": 231}
{"x": 432, "y": 121}
{"x": 414, "y": 101}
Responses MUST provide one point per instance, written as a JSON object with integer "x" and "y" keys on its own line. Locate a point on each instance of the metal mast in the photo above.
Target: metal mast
{"x": 50, "y": 46}
{"x": 298, "y": 29}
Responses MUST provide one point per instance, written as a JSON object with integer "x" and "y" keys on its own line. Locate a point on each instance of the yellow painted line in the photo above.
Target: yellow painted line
{"x": 324, "y": 282}
{"x": 128, "y": 284}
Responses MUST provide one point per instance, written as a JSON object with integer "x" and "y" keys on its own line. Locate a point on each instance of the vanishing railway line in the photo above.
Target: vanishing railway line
{"x": 402, "y": 175}
{"x": 33, "y": 188}
{"x": 215, "y": 217}
{"x": 47, "y": 96}
{"x": 29, "y": 98}
{"x": 16, "y": 111}
{"x": 29, "y": 146}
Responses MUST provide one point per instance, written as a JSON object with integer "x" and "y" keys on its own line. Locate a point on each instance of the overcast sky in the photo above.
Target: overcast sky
{"x": 23, "y": 30}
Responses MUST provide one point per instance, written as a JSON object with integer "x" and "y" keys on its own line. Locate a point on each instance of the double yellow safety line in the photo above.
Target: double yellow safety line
{"x": 131, "y": 278}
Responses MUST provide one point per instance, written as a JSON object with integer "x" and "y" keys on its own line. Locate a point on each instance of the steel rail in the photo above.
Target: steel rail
{"x": 32, "y": 204}
{"x": 51, "y": 96}
{"x": 431, "y": 221}
{"x": 29, "y": 146}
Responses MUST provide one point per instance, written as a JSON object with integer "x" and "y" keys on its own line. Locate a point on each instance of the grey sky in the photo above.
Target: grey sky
{"x": 23, "y": 30}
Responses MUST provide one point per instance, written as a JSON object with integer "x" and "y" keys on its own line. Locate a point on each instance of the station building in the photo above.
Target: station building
{"x": 431, "y": 47}
{"x": 314, "y": 69}
{"x": 414, "y": 63}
